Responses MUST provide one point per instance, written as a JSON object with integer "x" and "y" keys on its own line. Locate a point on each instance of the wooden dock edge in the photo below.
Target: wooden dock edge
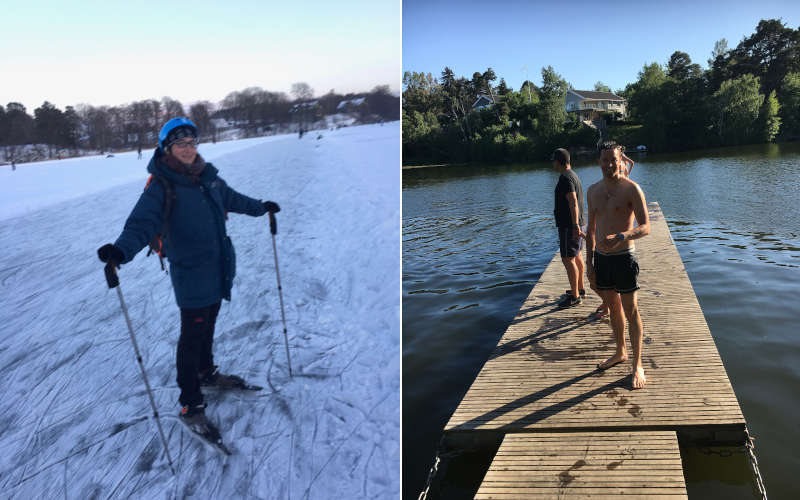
{"x": 710, "y": 435}
{"x": 597, "y": 464}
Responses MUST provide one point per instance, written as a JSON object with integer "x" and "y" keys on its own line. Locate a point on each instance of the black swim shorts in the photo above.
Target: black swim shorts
{"x": 570, "y": 245}
{"x": 616, "y": 272}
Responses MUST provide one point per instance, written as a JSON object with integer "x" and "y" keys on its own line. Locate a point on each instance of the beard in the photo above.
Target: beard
{"x": 610, "y": 173}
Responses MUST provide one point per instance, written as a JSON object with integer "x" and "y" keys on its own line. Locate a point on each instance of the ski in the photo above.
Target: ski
{"x": 232, "y": 382}
{"x": 209, "y": 436}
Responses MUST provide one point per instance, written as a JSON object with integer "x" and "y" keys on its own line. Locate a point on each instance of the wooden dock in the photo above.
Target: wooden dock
{"x": 639, "y": 464}
{"x": 542, "y": 377}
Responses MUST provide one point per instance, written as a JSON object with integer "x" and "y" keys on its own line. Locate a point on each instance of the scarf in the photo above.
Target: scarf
{"x": 192, "y": 172}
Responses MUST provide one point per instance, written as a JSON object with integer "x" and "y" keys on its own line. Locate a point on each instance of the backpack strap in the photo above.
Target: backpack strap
{"x": 169, "y": 200}
{"x": 156, "y": 244}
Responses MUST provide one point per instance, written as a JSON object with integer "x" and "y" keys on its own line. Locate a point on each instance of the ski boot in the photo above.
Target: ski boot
{"x": 213, "y": 378}
{"x": 194, "y": 419}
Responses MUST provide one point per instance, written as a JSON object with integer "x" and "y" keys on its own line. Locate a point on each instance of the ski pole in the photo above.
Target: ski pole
{"x": 273, "y": 228}
{"x": 113, "y": 282}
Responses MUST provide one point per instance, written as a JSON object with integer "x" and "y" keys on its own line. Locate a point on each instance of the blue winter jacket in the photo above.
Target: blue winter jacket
{"x": 202, "y": 262}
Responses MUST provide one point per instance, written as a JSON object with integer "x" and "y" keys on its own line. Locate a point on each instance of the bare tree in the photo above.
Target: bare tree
{"x": 139, "y": 114}
{"x": 200, "y": 114}
{"x": 172, "y": 108}
{"x": 98, "y": 128}
{"x": 302, "y": 91}
{"x": 118, "y": 124}
{"x": 156, "y": 118}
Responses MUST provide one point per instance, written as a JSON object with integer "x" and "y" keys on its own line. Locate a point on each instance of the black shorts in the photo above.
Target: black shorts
{"x": 570, "y": 245}
{"x": 616, "y": 272}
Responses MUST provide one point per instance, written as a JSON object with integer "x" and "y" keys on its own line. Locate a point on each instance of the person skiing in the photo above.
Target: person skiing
{"x": 200, "y": 254}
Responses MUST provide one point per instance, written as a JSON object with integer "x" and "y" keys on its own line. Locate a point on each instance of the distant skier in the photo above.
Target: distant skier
{"x": 139, "y": 151}
{"x": 200, "y": 253}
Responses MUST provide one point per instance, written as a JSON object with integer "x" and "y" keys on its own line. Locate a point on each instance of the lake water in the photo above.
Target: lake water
{"x": 476, "y": 240}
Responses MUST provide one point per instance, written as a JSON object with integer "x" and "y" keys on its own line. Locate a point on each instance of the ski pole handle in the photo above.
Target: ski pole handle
{"x": 111, "y": 275}
{"x": 273, "y": 224}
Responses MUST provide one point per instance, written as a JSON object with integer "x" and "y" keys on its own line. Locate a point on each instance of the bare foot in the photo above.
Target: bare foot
{"x": 637, "y": 378}
{"x": 613, "y": 360}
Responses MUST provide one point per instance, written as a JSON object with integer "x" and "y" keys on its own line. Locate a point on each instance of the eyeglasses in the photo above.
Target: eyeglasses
{"x": 185, "y": 144}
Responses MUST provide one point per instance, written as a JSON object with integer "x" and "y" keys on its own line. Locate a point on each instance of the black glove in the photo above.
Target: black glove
{"x": 271, "y": 206}
{"x": 110, "y": 253}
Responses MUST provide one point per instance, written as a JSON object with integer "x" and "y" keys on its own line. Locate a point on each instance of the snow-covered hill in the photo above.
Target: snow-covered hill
{"x": 76, "y": 419}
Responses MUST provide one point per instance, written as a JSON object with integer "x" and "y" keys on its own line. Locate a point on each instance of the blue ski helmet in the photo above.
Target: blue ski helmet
{"x": 173, "y": 124}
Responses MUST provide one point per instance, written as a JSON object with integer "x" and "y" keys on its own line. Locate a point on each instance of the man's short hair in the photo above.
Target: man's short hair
{"x": 610, "y": 145}
{"x": 561, "y": 155}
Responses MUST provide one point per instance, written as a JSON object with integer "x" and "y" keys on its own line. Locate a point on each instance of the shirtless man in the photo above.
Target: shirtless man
{"x": 626, "y": 166}
{"x": 611, "y": 265}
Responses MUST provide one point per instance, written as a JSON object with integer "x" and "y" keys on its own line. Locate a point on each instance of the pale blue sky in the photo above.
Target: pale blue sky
{"x": 112, "y": 52}
{"x": 584, "y": 41}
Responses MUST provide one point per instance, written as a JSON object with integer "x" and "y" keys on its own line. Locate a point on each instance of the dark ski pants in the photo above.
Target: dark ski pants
{"x": 195, "y": 354}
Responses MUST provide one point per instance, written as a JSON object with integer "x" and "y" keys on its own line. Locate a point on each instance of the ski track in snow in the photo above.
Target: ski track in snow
{"x": 77, "y": 420}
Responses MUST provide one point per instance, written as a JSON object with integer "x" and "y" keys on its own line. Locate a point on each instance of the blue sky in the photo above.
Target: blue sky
{"x": 114, "y": 52}
{"x": 584, "y": 41}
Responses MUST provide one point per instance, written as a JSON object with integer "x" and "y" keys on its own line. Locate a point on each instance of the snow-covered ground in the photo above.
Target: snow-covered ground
{"x": 76, "y": 421}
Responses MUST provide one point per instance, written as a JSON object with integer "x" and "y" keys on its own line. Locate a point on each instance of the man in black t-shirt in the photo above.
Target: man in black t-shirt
{"x": 570, "y": 221}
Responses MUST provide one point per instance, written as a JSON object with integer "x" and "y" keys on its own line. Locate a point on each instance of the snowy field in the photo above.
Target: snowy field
{"x": 76, "y": 419}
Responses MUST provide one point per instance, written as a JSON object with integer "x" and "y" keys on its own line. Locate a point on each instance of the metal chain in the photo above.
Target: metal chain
{"x": 434, "y": 469}
{"x": 751, "y": 449}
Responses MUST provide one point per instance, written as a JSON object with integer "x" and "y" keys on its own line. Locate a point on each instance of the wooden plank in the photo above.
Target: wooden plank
{"x": 586, "y": 464}
{"x": 542, "y": 376}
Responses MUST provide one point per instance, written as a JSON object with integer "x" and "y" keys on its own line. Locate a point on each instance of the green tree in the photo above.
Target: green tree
{"x": 601, "y": 87}
{"x": 421, "y": 93}
{"x": 769, "y": 54}
{"x": 478, "y": 84}
{"x": 680, "y": 67}
{"x": 3, "y": 126}
{"x": 48, "y": 123}
{"x": 523, "y": 110}
{"x": 70, "y": 133}
{"x": 685, "y": 94}
{"x": 650, "y": 103}
{"x": 720, "y": 50}
{"x": 20, "y": 125}
{"x": 530, "y": 90}
{"x": 502, "y": 88}
{"x": 457, "y": 99}
{"x": 790, "y": 110}
{"x": 552, "y": 105}
{"x": 769, "y": 120}
{"x": 736, "y": 109}
{"x": 488, "y": 77}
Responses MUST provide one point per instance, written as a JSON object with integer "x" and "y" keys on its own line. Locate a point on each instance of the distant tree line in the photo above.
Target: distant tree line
{"x": 748, "y": 94}
{"x": 254, "y": 111}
